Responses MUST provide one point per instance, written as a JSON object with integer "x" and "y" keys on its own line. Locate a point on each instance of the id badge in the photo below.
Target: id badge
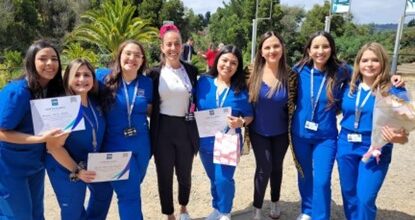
{"x": 190, "y": 116}
{"x": 129, "y": 132}
{"x": 311, "y": 125}
{"x": 354, "y": 138}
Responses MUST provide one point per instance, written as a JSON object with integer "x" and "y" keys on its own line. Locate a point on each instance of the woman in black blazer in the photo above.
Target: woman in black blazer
{"x": 173, "y": 129}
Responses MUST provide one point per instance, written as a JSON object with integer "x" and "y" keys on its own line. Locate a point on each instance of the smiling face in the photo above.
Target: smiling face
{"x": 369, "y": 66}
{"x": 272, "y": 50}
{"x": 227, "y": 66}
{"x": 81, "y": 81}
{"x": 131, "y": 58}
{"x": 47, "y": 64}
{"x": 171, "y": 46}
{"x": 319, "y": 51}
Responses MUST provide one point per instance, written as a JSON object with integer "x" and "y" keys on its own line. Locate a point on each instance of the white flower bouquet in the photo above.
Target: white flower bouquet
{"x": 395, "y": 110}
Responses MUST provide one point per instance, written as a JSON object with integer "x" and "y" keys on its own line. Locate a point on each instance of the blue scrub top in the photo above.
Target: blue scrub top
{"x": 15, "y": 115}
{"x": 271, "y": 114}
{"x": 117, "y": 117}
{"x": 79, "y": 143}
{"x": 206, "y": 99}
{"x": 325, "y": 116}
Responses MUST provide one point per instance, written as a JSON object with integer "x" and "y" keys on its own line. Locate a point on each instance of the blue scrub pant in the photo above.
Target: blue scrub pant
{"x": 129, "y": 191}
{"x": 316, "y": 158}
{"x": 222, "y": 184}
{"x": 360, "y": 182}
{"x": 21, "y": 197}
{"x": 71, "y": 196}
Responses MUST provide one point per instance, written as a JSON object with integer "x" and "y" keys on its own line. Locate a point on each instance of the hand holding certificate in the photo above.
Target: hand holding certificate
{"x": 110, "y": 166}
{"x": 63, "y": 113}
{"x": 211, "y": 121}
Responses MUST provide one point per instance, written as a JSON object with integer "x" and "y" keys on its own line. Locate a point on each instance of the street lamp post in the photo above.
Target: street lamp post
{"x": 254, "y": 28}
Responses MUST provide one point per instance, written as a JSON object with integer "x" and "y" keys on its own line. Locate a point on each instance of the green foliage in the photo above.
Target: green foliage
{"x": 11, "y": 66}
{"x": 150, "y": 10}
{"x": 110, "y": 25}
{"x": 75, "y": 50}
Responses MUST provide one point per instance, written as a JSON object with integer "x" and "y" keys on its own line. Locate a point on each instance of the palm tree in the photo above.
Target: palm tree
{"x": 112, "y": 24}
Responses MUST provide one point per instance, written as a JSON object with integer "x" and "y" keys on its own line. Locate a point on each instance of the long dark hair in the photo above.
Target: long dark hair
{"x": 112, "y": 80}
{"x": 238, "y": 81}
{"x": 333, "y": 65}
{"x": 55, "y": 86}
{"x": 255, "y": 78}
{"x": 71, "y": 70}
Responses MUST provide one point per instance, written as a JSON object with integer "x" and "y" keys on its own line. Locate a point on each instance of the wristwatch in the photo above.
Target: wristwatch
{"x": 73, "y": 176}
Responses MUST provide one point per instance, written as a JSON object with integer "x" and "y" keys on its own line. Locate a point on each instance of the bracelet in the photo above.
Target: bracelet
{"x": 243, "y": 122}
{"x": 73, "y": 176}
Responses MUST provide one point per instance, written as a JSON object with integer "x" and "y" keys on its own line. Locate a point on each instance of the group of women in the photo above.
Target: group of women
{"x": 279, "y": 105}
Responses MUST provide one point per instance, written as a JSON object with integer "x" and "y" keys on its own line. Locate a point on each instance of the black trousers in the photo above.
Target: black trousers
{"x": 174, "y": 152}
{"x": 269, "y": 155}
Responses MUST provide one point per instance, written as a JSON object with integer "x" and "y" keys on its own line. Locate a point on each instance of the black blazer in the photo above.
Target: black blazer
{"x": 154, "y": 73}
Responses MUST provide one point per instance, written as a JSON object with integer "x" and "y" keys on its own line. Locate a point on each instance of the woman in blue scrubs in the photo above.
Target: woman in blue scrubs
{"x": 128, "y": 95}
{"x": 224, "y": 86}
{"x": 21, "y": 152}
{"x": 271, "y": 91}
{"x": 360, "y": 182}
{"x": 66, "y": 164}
{"x": 314, "y": 132}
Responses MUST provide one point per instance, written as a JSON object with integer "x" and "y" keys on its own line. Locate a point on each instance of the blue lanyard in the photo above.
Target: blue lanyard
{"x": 314, "y": 102}
{"x": 94, "y": 129}
{"x": 127, "y": 99}
{"x": 358, "y": 109}
{"x": 222, "y": 101}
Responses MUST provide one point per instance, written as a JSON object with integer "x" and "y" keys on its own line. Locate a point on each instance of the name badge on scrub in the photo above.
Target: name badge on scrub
{"x": 354, "y": 138}
{"x": 311, "y": 125}
{"x": 129, "y": 132}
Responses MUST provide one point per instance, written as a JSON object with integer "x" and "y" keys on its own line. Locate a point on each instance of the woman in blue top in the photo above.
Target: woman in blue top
{"x": 21, "y": 153}
{"x": 66, "y": 162}
{"x": 361, "y": 182}
{"x": 270, "y": 92}
{"x": 224, "y": 86}
{"x": 314, "y": 132}
{"x": 128, "y": 101}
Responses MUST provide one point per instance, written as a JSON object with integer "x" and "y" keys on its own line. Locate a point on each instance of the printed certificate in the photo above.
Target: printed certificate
{"x": 110, "y": 166}
{"x": 211, "y": 121}
{"x": 64, "y": 113}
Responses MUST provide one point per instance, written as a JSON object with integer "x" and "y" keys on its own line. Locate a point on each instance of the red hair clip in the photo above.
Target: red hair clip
{"x": 166, "y": 28}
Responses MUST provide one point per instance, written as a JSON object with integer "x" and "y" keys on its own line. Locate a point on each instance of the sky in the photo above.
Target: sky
{"x": 364, "y": 11}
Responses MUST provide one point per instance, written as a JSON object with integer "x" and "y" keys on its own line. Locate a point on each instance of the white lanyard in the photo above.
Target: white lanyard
{"x": 358, "y": 109}
{"x": 222, "y": 101}
{"x": 127, "y": 100}
{"x": 94, "y": 128}
{"x": 314, "y": 102}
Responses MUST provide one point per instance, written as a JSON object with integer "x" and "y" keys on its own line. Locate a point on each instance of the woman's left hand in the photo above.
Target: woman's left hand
{"x": 235, "y": 122}
{"x": 392, "y": 135}
{"x": 397, "y": 81}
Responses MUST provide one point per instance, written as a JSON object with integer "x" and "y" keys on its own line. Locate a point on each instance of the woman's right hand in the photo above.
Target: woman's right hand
{"x": 86, "y": 176}
{"x": 55, "y": 139}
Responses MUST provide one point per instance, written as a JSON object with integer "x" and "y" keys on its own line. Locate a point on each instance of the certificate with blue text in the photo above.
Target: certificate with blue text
{"x": 63, "y": 113}
{"x": 211, "y": 121}
{"x": 110, "y": 166}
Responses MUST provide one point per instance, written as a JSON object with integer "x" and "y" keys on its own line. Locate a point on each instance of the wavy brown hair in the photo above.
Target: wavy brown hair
{"x": 382, "y": 80}
{"x": 255, "y": 78}
{"x": 70, "y": 72}
{"x": 112, "y": 80}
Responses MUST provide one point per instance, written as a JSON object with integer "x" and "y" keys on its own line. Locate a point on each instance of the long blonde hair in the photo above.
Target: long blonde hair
{"x": 382, "y": 80}
{"x": 255, "y": 79}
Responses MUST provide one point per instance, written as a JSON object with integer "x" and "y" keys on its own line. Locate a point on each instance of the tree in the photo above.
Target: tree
{"x": 150, "y": 10}
{"x": 110, "y": 25}
{"x": 75, "y": 50}
{"x": 173, "y": 10}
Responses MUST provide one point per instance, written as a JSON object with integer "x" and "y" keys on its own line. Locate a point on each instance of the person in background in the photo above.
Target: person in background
{"x": 270, "y": 93}
{"x": 210, "y": 55}
{"x": 127, "y": 101}
{"x": 360, "y": 182}
{"x": 174, "y": 136}
{"x": 224, "y": 86}
{"x": 21, "y": 152}
{"x": 188, "y": 51}
{"x": 67, "y": 158}
{"x": 321, "y": 77}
